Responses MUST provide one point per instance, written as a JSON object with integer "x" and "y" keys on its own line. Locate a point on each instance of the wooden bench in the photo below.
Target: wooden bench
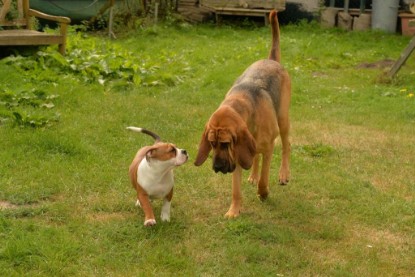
{"x": 19, "y": 31}
{"x": 242, "y": 12}
{"x": 260, "y": 8}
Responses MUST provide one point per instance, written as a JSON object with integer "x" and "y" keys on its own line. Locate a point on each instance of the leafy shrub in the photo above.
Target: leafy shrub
{"x": 97, "y": 60}
{"x": 88, "y": 60}
{"x": 26, "y": 108}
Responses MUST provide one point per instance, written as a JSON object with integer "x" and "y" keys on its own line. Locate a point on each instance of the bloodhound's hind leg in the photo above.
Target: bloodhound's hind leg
{"x": 284, "y": 127}
{"x": 284, "y": 174}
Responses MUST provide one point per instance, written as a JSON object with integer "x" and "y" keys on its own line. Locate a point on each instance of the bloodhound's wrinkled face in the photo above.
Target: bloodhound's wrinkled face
{"x": 222, "y": 142}
{"x": 229, "y": 146}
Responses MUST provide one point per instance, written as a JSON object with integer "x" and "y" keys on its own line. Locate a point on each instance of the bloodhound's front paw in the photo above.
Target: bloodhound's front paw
{"x": 253, "y": 179}
{"x": 284, "y": 177}
{"x": 263, "y": 194}
{"x": 232, "y": 212}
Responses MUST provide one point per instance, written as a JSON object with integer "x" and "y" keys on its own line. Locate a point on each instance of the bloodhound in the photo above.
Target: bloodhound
{"x": 247, "y": 123}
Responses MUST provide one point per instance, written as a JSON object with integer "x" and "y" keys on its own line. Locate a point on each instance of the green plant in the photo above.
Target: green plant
{"x": 27, "y": 108}
{"x": 91, "y": 60}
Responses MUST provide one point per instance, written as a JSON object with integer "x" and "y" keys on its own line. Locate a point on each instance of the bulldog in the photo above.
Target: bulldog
{"x": 151, "y": 174}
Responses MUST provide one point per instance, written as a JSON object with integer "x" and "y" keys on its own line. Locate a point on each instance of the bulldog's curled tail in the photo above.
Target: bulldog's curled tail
{"x": 275, "y": 53}
{"x": 145, "y": 131}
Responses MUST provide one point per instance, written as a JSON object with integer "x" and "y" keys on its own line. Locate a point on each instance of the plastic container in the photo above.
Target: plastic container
{"x": 385, "y": 15}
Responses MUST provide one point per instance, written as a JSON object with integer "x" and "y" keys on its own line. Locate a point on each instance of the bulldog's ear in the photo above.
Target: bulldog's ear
{"x": 204, "y": 149}
{"x": 150, "y": 153}
{"x": 245, "y": 148}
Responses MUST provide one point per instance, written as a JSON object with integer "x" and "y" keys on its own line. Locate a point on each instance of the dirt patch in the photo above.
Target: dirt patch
{"x": 379, "y": 64}
{"x": 383, "y": 239}
{"x": 4, "y": 205}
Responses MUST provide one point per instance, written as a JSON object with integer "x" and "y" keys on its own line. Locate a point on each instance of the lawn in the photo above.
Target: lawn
{"x": 66, "y": 204}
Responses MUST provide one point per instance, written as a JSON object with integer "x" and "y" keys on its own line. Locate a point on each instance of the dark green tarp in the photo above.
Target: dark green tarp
{"x": 76, "y": 10}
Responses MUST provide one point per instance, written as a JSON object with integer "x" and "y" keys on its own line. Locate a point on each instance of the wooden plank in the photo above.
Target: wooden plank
{"x": 251, "y": 4}
{"x": 249, "y": 12}
{"x": 28, "y": 37}
{"x": 243, "y": 12}
{"x": 402, "y": 59}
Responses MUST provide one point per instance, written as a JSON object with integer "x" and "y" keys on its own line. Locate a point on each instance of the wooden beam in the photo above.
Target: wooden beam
{"x": 402, "y": 59}
{"x": 5, "y": 9}
{"x": 28, "y": 37}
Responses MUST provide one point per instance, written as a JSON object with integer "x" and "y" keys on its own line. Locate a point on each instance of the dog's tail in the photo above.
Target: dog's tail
{"x": 275, "y": 53}
{"x": 144, "y": 131}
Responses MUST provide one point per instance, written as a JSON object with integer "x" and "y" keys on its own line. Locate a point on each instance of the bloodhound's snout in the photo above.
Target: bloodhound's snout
{"x": 222, "y": 165}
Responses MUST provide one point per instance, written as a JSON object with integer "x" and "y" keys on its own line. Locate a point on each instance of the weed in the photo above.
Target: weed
{"x": 23, "y": 107}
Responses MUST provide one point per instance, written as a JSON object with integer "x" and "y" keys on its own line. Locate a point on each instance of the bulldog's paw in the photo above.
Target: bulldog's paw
{"x": 165, "y": 216}
{"x": 165, "y": 210}
{"x": 150, "y": 222}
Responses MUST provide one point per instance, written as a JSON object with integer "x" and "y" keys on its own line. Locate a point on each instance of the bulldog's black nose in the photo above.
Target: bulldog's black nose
{"x": 184, "y": 152}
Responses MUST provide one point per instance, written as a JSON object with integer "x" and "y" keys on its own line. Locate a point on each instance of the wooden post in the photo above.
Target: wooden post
{"x": 64, "y": 32}
{"x": 402, "y": 59}
{"x": 26, "y": 12}
{"x": 5, "y": 9}
{"x": 111, "y": 23}
{"x": 156, "y": 11}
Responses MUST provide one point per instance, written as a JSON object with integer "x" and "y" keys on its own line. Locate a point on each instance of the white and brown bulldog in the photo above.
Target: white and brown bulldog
{"x": 151, "y": 174}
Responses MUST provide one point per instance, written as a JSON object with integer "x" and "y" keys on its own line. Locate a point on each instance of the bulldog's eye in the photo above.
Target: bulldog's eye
{"x": 173, "y": 150}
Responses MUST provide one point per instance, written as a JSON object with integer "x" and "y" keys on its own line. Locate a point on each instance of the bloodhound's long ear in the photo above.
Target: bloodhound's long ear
{"x": 204, "y": 149}
{"x": 245, "y": 148}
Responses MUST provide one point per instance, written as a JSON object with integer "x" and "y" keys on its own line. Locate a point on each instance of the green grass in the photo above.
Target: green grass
{"x": 67, "y": 204}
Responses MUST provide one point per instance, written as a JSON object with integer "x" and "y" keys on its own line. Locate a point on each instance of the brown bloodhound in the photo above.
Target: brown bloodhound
{"x": 247, "y": 123}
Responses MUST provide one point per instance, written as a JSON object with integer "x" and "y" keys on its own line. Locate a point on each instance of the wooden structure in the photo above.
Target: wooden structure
{"x": 192, "y": 11}
{"x": 18, "y": 31}
{"x": 244, "y": 7}
{"x": 402, "y": 59}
